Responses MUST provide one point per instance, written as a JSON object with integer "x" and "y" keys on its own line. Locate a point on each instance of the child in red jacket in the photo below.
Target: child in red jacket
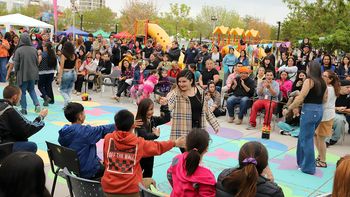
{"x": 122, "y": 153}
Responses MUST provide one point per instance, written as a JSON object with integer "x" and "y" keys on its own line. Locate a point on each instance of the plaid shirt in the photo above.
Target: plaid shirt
{"x": 182, "y": 114}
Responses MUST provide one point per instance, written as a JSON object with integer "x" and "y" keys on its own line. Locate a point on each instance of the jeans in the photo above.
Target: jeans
{"x": 67, "y": 82}
{"x": 257, "y": 106}
{"x": 311, "y": 115}
{"x": 293, "y": 130}
{"x": 3, "y": 70}
{"x": 340, "y": 125}
{"x": 28, "y": 86}
{"x": 243, "y": 103}
{"x": 25, "y": 146}
{"x": 45, "y": 85}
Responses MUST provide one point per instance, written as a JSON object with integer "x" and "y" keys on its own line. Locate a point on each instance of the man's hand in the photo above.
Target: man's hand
{"x": 180, "y": 142}
{"x": 43, "y": 113}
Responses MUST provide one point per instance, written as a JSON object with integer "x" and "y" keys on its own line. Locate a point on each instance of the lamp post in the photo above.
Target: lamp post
{"x": 214, "y": 19}
{"x": 278, "y": 30}
{"x": 81, "y": 22}
{"x": 116, "y": 28}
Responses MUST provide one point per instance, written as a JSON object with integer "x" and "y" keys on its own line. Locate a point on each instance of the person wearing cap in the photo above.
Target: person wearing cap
{"x": 202, "y": 58}
{"x": 342, "y": 108}
{"x": 241, "y": 90}
{"x": 304, "y": 57}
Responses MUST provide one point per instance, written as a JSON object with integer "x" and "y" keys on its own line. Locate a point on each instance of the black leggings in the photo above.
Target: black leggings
{"x": 147, "y": 166}
{"x": 45, "y": 86}
{"x": 122, "y": 86}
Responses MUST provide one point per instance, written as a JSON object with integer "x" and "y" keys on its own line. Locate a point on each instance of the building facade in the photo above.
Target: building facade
{"x": 90, "y": 4}
{"x": 13, "y": 4}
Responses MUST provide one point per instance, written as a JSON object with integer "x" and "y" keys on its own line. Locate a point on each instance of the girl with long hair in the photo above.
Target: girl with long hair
{"x": 312, "y": 94}
{"x": 47, "y": 68}
{"x": 148, "y": 130}
{"x": 186, "y": 176}
{"x": 67, "y": 73}
{"x": 249, "y": 179}
{"x": 125, "y": 79}
{"x": 327, "y": 63}
{"x": 343, "y": 70}
{"x": 22, "y": 175}
{"x": 189, "y": 107}
{"x": 324, "y": 129}
{"x": 342, "y": 178}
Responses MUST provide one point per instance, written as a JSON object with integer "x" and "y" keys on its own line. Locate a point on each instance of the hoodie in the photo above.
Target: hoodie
{"x": 122, "y": 152}
{"x": 200, "y": 183}
{"x": 83, "y": 140}
{"x": 26, "y": 61}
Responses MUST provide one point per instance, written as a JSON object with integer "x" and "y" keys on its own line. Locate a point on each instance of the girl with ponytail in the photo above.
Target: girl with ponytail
{"x": 186, "y": 176}
{"x": 248, "y": 180}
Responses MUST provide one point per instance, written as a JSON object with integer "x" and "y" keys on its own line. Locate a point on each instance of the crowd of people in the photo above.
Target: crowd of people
{"x": 307, "y": 89}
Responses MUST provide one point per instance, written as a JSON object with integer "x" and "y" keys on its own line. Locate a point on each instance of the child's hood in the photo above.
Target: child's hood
{"x": 125, "y": 140}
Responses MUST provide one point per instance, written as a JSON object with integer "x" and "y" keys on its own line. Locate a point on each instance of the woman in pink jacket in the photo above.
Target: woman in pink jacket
{"x": 187, "y": 177}
{"x": 285, "y": 88}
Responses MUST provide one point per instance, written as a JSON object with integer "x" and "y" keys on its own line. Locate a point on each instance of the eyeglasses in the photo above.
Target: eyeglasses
{"x": 89, "y": 57}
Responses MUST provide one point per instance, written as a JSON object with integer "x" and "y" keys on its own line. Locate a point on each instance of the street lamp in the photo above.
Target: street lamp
{"x": 278, "y": 30}
{"x": 214, "y": 19}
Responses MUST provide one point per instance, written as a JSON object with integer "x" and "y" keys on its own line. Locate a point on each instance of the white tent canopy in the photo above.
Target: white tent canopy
{"x": 21, "y": 20}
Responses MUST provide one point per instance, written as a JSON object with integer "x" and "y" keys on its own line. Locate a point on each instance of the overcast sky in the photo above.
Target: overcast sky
{"x": 270, "y": 11}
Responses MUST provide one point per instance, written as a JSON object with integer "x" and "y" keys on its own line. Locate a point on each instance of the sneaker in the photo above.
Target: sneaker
{"x": 239, "y": 121}
{"x": 74, "y": 91}
{"x": 250, "y": 127}
{"x": 24, "y": 111}
{"x": 230, "y": 119}
{"x": 37, "y": 109}
{"x": 78, "y": 93}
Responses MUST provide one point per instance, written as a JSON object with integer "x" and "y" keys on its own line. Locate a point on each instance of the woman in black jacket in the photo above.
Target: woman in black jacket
{"x": 249, "y": 178}
{"x": 149, "y": 130}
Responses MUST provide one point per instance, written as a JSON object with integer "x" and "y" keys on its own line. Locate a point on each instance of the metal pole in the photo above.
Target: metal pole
{"x": 279, "y": 29}
{"x": 81, "y": 22}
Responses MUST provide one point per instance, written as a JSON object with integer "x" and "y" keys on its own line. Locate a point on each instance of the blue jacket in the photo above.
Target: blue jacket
{"x": 229, "y": 60}
{"x": 332, "y": 68}
{"x": 83, "y": 139}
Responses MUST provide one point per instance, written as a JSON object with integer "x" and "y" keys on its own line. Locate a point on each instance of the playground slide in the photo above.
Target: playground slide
{"x": 159, "y": 34}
